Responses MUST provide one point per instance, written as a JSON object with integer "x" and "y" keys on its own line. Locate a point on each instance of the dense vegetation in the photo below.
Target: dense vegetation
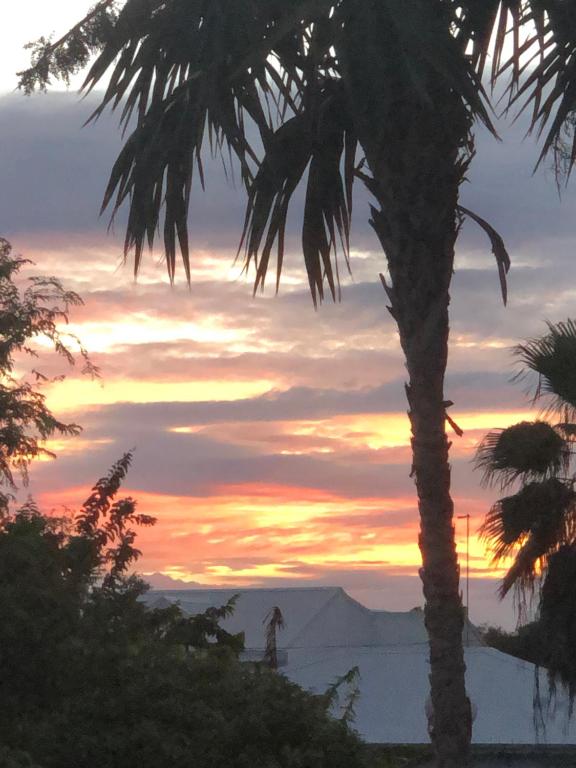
{"x": 90, "y": 677}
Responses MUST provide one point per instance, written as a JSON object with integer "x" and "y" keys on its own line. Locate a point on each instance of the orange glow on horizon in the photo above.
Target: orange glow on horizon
{"x": 246, "y": 533}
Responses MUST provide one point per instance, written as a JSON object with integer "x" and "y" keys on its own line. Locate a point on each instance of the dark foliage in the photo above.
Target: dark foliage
{"x": 550, "y": 641}
{"x": 540, "y": 513}
{"x": 60, "y": 59}
{"x": 553, "y": 358}
{"x": 536, "y": 526}
{"x": 529, "y": 450}
{"x": 91, "y": 677}
{"x": 27, "y": 314}
{"x": 525, "y": 643}
{"x": 558, "y": 617}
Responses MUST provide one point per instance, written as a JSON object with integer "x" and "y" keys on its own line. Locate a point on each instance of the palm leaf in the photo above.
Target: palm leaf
{"x": 538, "y": 519}
{"x": 187, "y": 70}
{"x": 319, "y": 139}
{"x": 498, "y": 249}
{"x": 543, "y": 510}
{"x": 553, "y": 358}
{"x": 550, "y": 87}
{"x": 184, "y": 70}
{"x": 527, "y": 450}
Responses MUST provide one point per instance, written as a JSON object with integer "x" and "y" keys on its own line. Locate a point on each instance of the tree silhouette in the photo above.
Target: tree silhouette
{"x": 26, "y": 315}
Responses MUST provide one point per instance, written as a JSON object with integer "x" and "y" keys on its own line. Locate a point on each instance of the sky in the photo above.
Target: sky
{"x": 271, "y": 440}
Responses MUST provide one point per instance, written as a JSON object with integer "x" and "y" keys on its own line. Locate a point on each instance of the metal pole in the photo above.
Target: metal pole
{"x": 467, "y": 614}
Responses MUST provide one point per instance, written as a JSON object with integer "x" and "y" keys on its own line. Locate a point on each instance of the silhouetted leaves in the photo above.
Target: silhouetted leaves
{"x": 553, "y": 358}
{"x": 35, "y": 312}
{"x": 536, "y": 526}
{"x": 528, "y": 450}
{"x": 498, "y": 249}
{"x": 540, "y": 516}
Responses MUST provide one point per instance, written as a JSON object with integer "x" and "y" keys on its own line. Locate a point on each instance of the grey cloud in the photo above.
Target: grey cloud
{"x": 471, "y": 391}
{"x": 58, "y": 170}
{"x": 169, "y": 466}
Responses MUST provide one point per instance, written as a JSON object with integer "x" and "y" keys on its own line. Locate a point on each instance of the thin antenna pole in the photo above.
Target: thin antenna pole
{"x": 467, "y": 518}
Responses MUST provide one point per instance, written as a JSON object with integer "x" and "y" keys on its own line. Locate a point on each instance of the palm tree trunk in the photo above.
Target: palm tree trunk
{"x": 417, "y": 148}
{"x": 420, "y": 256}
{"x": 451, "y": 726}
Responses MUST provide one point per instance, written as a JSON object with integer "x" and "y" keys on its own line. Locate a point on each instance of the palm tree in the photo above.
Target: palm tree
{"x": 536, "y": 525}
{"x": 324, "y": 92}
{"x": 534, "y": 522}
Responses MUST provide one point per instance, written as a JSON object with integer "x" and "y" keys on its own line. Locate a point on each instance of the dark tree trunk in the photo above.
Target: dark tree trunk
{"x": 420, "y": 298}
{"x": 417, "y": 150}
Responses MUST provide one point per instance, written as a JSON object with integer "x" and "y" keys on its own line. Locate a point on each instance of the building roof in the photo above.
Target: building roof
{"x": 299, "y": 607}
{"x": 313, "y": 617}
{"x": 393, "y": 684}
{"x": 327, "y": 633}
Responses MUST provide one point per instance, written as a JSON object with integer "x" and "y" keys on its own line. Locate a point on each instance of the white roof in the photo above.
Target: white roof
{"x": 393, "y": 686}
{"x": 314, "y": 617}
{"x": 327, "y": 633}
{"x": 299, "y": 607}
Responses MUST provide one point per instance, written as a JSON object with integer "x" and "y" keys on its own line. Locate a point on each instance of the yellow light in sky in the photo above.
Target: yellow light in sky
{"x": 142, "y": 328}
{"x": 72, "y": 394}
{"x": 68, "y": 445}
{"x": 393, "y": 429}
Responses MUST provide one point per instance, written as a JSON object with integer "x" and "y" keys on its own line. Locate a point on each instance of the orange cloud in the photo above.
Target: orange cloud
{"x": 252, "y": 532}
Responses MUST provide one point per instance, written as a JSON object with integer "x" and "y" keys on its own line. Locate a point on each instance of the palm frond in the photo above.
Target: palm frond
{"x": 498, "y": 249}
{"x": 319, "y": 139}
{"x": 171, "y": 70}
{"x": 531, "y": 450}
{"x": 546, "y": 79}
{"x": 220, "y": 72}
{"x": 483, "y": 31}
{"x": 553, "y": 358}
{"x": 538, "y": 518}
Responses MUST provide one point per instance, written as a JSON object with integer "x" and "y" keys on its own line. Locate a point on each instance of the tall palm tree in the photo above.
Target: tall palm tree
{"x": 385, "y": 91}
{"x": 536, "y": 525}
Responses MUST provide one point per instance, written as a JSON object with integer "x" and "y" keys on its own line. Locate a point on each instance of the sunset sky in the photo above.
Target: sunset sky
{"x": 271, "y": 440}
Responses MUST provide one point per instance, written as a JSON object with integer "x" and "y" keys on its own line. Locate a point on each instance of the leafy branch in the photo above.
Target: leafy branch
{"x": 69, "y": 54}
{"x": 28, "y": 315}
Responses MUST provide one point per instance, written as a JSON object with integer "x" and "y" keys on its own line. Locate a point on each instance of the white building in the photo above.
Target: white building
{"x": 327, "y": 633}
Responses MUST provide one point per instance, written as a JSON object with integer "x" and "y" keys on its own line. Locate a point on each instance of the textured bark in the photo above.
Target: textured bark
{"x": 422, "y": 315}
{"x": 417, "y": 150}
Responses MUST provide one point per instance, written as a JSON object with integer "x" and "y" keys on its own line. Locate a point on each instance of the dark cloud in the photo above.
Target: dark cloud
{"x": 186, "y": 465}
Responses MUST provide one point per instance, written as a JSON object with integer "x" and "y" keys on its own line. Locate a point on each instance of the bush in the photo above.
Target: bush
{"x": 93, "y": 678}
